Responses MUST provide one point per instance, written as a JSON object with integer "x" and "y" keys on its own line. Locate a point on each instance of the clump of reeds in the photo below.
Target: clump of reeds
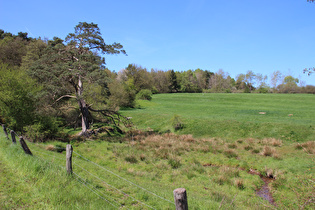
{"x": 271, "y": 152}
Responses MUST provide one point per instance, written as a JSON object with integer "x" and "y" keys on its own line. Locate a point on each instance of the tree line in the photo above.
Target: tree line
{"x": 137, "y": 78}
{"x": 46, "y": 84}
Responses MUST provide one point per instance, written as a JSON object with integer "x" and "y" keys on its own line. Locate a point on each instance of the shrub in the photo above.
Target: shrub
{"x": 144, "y": 94}
{"x": 177, "y": 123}
{"x": 263, "y": 90}
{"x": 45, "y": 129}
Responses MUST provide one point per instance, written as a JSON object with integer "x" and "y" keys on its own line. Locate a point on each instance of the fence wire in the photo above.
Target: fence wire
{"x": 78, "y": 177}
{"x": 124, "y": 178}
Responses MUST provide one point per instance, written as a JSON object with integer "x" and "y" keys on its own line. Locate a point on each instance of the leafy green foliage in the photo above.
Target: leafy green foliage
{"x": 17, "y": 97}
{"x": 47, "y": 128}
{"x": 144, "y": 94}
{"x": 65, "y": 68}
{"x": 12, "y": 48}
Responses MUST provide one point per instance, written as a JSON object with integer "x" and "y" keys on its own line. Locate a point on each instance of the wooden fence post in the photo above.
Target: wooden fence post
{"x": 180, "y": 198}
{"x": 5, "y": 131}
{"x": 69, "y": 150}
{"x": 25, "y": 147}
{"x": 13, "y": 137}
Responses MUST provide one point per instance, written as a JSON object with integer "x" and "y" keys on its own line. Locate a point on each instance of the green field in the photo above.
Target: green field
{"x": 216, "y": 156}
{"x": 230, "y": 116}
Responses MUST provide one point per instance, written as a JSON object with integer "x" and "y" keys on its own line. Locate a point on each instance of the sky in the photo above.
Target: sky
{"x": 233, "y": 35}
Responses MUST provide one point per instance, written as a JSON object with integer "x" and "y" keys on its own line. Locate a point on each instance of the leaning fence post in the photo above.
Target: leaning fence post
{"x": 13, "y": 137}
{"x": 69, "y": 150}
{"x": 25, "y": 147}
{"x": 5, "y": 131}
{"x": 180, "y": 198}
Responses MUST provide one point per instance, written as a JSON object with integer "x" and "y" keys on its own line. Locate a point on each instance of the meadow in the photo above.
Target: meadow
{"x": 225, "y": 148}
{"x": 230, "y": 116}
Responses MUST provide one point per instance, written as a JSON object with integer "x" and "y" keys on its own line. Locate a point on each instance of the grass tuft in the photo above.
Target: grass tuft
{"x": 230, "y": 153}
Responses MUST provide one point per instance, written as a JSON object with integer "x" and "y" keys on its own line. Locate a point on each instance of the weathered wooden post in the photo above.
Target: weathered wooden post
{"x": 180, "y": 198}
{"x": 25, "y": 147}
{"x": 69, "y": 150}
{"x": 5, "y": 131}
{"x": 13, "y": 137}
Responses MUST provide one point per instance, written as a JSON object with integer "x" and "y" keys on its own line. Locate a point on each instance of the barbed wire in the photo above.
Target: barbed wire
{"x": 103, "y": 180}
{"x": 10, "y": 130}
{"x": 53, "y": 156}
{"x": 94, "y": 191}
{"x": 115, "y": 187}
{"x": 124, "y": 178}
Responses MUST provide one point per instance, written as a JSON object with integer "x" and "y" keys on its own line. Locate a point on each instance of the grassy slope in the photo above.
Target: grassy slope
{"x": 213, "y": 170}
{"x": 35, "y": 182}
{"x": 231, "y": 116}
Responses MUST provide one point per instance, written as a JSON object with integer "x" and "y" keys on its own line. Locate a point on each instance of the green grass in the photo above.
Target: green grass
{"x": 212, "y": 166}
{"x": 230, "y": 116}
{"x": 37, "y": 182}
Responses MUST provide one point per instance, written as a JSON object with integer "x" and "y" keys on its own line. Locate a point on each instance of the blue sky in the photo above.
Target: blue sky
{"x": 236, "y": 36}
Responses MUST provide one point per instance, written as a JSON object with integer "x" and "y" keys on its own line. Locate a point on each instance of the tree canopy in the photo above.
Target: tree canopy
{"x": 66, "y": 67}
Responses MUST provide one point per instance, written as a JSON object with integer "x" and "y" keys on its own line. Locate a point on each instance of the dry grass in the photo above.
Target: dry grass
{"x": 268, "y": 151}
{"x": 271, "y": 152}
{"x": 309, "y": 147}
{"x": 50, "y": 147}
{"x": 239, "y": 183}
{"x": 269, "y": 172}
{"x": 271, "y": 142}
{"x": 169, "y": 143}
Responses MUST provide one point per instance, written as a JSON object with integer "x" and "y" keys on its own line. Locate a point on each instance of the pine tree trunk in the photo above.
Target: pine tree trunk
{"x": 85, "y": 116}
{"x": 83, "y": 108}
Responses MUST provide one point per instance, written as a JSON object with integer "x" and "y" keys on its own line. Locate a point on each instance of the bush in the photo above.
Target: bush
{"x": 263, "y": 90}
{"x": 144, "y": 94}
{"x": 177, "y": 123}
{"x": 43, "y": 130}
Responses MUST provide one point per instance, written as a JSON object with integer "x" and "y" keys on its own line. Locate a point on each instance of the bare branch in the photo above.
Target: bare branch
{"x": 113, "y": 116}
{"x": 65, "y": 96}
